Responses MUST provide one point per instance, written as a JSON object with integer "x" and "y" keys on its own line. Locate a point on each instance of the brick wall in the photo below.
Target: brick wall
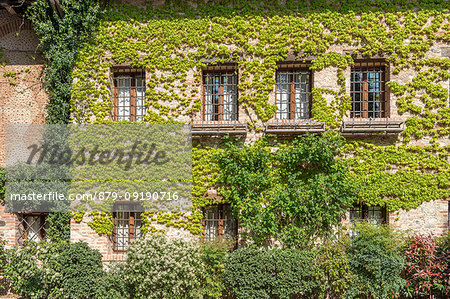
{"x": 22, "y": 100}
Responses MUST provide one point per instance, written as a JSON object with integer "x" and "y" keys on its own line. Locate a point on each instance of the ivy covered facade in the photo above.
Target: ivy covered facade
{"x": 376, "y": 73}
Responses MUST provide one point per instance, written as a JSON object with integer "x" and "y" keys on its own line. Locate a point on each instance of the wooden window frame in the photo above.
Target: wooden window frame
{"x": 294, "y": 69}
{"x": 133, "y": 75}
{"x": 133, "y": 217}
{"x": 365, "y": 67}
{"x": 222, "y": 72}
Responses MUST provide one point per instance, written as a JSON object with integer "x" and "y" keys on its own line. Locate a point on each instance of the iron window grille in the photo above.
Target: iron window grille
{"x": 127, "y": 223}
{"x": 368, "y": 90}
{"x": 220, "y": 96}
{"x": 373, "y": 215}
{"x": 32, "y": 228}
{"x": 129, "y": 95}
{"x": 293, "y": 94}
{"x": 219, "y": 223}
{"x": 370, "y": 214}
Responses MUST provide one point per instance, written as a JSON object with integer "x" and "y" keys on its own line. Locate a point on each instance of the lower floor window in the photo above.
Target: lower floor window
{"x": 32, "y": 228}
{"x": 219, "y": 223}
{"x": 127, "y": 222}
{"x": 370, "y": 214}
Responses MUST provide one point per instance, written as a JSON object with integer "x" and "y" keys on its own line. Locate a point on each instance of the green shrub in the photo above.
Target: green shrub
{"x": 161, "y": 268}
{"x": 54, "y": 270}
{"x": 2, "y": 261}
{"x": 333, "y": 269}
{"x": 444, "y": 250}
{"x": 23, "y": 273}
{"x": 213, "y": 256}
{"x": 375, "y": 255}
{"x": 254, "y": 273}
{"x": 2, "y": 185}
{"x": 112, "y": 284}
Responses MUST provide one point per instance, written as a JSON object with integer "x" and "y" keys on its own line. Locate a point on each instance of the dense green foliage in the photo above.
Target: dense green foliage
{"x": 261, "y": 273}
{"x": 61, "y": 37}
{"x": 158, "y": 267}
{"x": 295, "y": 193}
{"x": 370, "y": 264}
{"x": 112, "y": 284}
{"x": 213, "y": 257}
{"x": 376, "y": 260}
{"x": 2, "y": 185}
{"x": 333, "y": 268}
{"x": 3, "y": 260}
{"x": 58, "y": 226}
{"x": 56, "y": 270}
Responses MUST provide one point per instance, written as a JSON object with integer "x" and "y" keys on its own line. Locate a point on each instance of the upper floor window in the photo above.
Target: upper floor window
{"x": 129, "y": 95}
{"x": 367, "y": 90}
{"x": 127, "y": 223}
{"x": 219, "y": 223}
{"x": 220, "y": 95}
{"x": 32, "y": 228}
{"x": 293, "y": 94}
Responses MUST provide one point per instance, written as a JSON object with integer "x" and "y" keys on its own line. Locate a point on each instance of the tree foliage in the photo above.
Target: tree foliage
{"x": 295, "y": 194}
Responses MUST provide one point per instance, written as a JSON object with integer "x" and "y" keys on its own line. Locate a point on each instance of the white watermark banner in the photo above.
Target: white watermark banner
{"x": 91, "y": 167}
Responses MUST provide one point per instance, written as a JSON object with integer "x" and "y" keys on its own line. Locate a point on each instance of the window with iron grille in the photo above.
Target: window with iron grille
{"x": 220, "y": 95}
{"x": 32, "y": 228}
{"x": 219, "y": 223}
{"x": 367, "y": 90}
{"x": 371, "y": 214}
{"x": 293, "y": 94}
{"x": 127, "y": 221}
{"x": 129, "y": 95}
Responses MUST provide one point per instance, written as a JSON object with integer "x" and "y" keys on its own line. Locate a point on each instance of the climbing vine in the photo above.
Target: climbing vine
{"x": 175, "y": 41}
{"x": 61, "y": 30}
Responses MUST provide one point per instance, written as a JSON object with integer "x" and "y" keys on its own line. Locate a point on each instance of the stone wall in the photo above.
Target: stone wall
{"x": 429, "y": 217}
